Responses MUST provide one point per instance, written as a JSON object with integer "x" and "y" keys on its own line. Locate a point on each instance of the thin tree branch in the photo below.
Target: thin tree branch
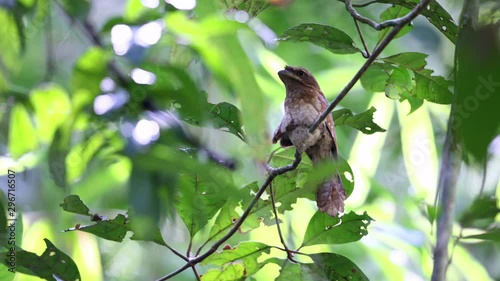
{"x": 361, "y": 5}
{"x": 273, "y": 172}
{"x": 289, "y": 253}
{"x": 399, "y": 24}
{"x": 177, "y": 253}
{"x": 366, "y": 53}
{"x": 388, "y": 23}
{"x": 196, "y": 274}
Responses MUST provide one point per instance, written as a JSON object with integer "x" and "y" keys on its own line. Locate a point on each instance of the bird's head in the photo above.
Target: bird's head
{"x": 298, "y": 79}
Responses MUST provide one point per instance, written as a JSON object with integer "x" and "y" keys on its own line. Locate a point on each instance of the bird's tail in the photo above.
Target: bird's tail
{"x": 330, "y": 196}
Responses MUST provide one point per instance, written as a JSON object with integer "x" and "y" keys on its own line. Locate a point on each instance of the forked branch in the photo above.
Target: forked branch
{"x": 398, "y": 24}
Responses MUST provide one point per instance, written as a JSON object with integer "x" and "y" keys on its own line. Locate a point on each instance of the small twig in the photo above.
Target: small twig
{"x": 196, "y": 273}
{"x": 361, "y": 5}
{"x": 366, "y": 53}
{"x": 401, "y": 22}
{"x": 289, "y": 253}
{"x": 177, "y": 253}
{"x": 455, "y": 243}
{"x": 188, "y": 254}
{"x": 273, "y": 172}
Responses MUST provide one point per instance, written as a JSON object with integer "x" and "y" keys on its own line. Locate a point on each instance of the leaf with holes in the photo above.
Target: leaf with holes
{"x": 326, "y": 266}
{"x": 52, "y": 265}
{"x": 390, "y": 13}
{"x": 363, "y": 121}
{"x": 252, "y": 7}
{"x": 330, "y": 38}
{"x": 200, "y": 197}
{"x": 245, "y": 253}
{"x": 323, "y": 229}
{"x": 432, "y": 88}
{"x": 114, "y": 230}
{"x": 436, "y": 15}
{"x": 226, "y": 117}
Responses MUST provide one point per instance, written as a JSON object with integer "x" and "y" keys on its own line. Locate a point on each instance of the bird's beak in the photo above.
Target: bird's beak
{"x": 286, "y": 74}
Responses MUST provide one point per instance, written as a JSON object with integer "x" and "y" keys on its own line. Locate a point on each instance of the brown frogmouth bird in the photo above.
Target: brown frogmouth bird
{"x": 304, "y": 102}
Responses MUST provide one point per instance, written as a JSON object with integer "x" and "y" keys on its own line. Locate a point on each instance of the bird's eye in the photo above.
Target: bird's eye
{"x": 300, "y": 73}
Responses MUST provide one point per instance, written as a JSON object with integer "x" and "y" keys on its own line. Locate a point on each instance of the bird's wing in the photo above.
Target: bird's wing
{"x": 330, "y": 126}
{"x": 280, "y": 132}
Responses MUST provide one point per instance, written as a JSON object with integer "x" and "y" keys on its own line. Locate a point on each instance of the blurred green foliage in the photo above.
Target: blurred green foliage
{"x": 150, "y": 121}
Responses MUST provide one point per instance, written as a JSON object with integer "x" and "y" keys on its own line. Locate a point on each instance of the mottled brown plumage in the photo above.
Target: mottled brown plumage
{"x": 304, "y": 102}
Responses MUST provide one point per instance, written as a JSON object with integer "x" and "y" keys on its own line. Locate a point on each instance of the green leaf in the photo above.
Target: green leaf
{"x": 229, "y": 273}
{"x": 390, "y": 13}
{"x": 22, "y": 135}
{"x": 58, "y": 150}
{"x": 330, "y": 38}
{"x": 90, "y": 69}
{"x": 200, "y": 197}
{"x": 326, "y": 266}
{"x": 74, "y": 204}
{"x": 245, "y": 253}
{"x": 436, "y": 15}
{"x": 221, "y": 51}
{"x": 114, "y": 230}
{"x": 323, "y": 229}
{"x": 53, "y": 262}
{"x": 225, "y": 219}
{"x": 226, "y": 117}
{"x": 52, "y": 107}
{"x": 490, "y": 235}
{"x": 252, "y": 7}
{"x": 77, "y": 9}
{"x": 399, "y": 85}
{"x": 10, "y": 31}
{"x": 375, "y": 77}
{"x": 483, "y": 209}
{"x": 363, "y": 121}
{"x": 432, "y": 88}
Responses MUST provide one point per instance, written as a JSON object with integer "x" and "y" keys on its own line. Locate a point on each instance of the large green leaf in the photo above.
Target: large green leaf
{"x": 52, "y": 107}
{"x": 245, "y": 253}
{"x": 51, "y": 264}
{"x": 427, "y": 86}
{"x": 200, "y": 198}
{"x": 90, "y": 69}
{"x": 400, "y": 86}
{"x": 481, "y": 212}
{"x": 326, "y": 267}
{"x": 226, "y": 117}
{"x": 323, "y": 229}
{"x": 375, "y": 77}
{"x": 330, "y": 38}
{"x": 363, "y": 121}
{"x": 10, "y": 44}
{"x": 22, "y": 134}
